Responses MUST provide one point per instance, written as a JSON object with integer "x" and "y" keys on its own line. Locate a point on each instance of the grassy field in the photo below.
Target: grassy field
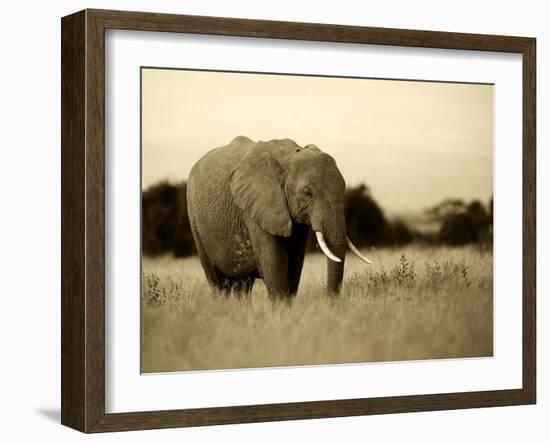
{"x": 413, "y": 303}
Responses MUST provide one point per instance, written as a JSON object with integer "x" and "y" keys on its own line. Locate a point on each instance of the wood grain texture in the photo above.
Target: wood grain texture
{"x": 307, "y": 410}
{"x": 73, "y": 129}
{"x": 529, "y": 220}
{"x": 95, "y": 222}
{"x": 145, "y": 21}
{"x": 83, "y": 220}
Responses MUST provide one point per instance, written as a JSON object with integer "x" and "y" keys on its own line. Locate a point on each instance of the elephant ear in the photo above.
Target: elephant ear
{"x": 256, "y": 184}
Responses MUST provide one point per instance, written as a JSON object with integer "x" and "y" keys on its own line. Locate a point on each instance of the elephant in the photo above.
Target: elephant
{"x": 251, "y": 206}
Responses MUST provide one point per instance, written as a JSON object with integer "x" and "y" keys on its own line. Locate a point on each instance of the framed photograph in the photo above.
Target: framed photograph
{"x": 270, "y": 220}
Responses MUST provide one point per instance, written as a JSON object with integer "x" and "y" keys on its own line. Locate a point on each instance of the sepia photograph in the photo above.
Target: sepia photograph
{"x": 301, "y": 220}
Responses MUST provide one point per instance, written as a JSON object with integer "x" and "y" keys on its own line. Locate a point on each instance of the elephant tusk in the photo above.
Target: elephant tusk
{"x": 324, "y": 247}
{"x": 357, "y": 252}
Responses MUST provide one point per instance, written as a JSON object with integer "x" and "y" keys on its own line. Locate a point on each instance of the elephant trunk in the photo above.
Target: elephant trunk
{"x": 335, "y": 270}
{"x": 332, "y": 236}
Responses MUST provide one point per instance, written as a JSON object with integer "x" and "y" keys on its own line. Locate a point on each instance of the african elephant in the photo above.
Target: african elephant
{"x": 251, "y": 205}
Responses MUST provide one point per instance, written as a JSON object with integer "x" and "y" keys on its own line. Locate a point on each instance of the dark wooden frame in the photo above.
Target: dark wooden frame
{"x": 83, "y": 216}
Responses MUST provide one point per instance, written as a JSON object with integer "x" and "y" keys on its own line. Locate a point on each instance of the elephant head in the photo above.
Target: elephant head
{"x": 278, "y": 182}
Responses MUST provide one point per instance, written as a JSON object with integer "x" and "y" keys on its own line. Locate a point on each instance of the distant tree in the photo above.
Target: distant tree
{"x": 367, "y": 224}
{"x": 365, "y": 221}
{"x": 458, "y": 229}
{"x": 166, "y": 229}
{"x": 165, "y": 223}
{"x": 447, "y": 207}
{"x": 463, "y": 223}
{"x": 398, "y": 233}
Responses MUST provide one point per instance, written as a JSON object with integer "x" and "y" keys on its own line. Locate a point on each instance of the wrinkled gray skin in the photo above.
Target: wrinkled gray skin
{"x": 251, "y": 205}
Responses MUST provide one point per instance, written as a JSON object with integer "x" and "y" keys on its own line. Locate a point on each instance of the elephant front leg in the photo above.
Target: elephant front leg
{"x": 296, "y": 246}
{"x": 272, "y": 259}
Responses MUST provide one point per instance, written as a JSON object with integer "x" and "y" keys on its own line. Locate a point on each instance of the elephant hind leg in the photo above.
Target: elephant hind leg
{"x": 215, "y": 278}
{"x": 240, "y": 287}
{"x": 220, "y": 282}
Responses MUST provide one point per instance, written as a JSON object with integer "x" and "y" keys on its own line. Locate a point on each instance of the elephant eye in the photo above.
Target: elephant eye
{"x": 307, "y": 192}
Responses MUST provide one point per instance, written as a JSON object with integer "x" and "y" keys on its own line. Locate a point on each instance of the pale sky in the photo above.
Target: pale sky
{"x": 413, "y": 143}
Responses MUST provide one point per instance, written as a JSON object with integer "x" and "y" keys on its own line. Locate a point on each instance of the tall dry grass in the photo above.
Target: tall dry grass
{"x": 413, "y": 303}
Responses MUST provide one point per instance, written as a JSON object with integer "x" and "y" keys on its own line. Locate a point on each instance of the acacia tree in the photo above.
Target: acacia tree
{"x": 463, "y": 223}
